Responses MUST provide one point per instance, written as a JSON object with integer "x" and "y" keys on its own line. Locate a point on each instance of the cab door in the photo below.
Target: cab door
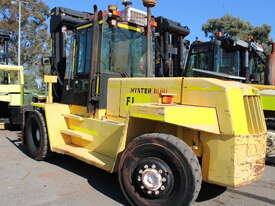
{"x": 76, "y": 84}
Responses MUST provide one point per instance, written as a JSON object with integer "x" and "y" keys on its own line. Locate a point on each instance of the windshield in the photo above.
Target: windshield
{"x": 230, "y": 63}
{"x": 3, "y": 55}
{"x": 123, "y": 51}
{"x": 200, "y": 58}
{"x": 9, "y": 77}
{"x": 257, "y": 68}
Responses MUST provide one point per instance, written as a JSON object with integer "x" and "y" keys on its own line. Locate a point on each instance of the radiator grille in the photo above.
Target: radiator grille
{"x": 254, "y": 114}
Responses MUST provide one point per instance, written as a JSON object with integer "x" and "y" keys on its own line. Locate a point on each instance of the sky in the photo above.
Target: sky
{"x": 192, "y": 13}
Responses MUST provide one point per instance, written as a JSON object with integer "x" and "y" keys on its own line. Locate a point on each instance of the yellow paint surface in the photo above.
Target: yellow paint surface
{"x": 50, "y": 79}
{"x": 145, "y": 90}
{"x": 233, "y": 161}
{"x": 180, "y": 115}
{"x": 228, "y": 99}
{"x": 268, "y": 102}
{"x": 125, "y": 26}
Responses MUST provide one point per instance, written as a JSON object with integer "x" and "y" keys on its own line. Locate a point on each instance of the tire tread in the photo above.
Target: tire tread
{"x": 186, "y": 152}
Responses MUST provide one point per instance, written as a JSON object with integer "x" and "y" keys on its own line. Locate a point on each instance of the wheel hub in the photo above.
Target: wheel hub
{"x": 152, "y": 179}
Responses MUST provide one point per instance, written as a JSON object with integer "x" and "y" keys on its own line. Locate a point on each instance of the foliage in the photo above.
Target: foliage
{"x": 34, "y": 35}
{"x": 238, "y": 28}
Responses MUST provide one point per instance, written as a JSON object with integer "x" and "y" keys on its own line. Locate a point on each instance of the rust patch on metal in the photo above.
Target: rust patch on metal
{"x": 259, "y": 167}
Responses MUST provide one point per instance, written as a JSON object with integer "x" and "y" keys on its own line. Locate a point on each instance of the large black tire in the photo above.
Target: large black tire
{"x": 152, "y": 157}
{"x": 36, "y": 136}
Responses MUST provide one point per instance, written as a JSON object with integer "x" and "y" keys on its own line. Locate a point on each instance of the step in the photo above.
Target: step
{"x": 77, "y": 134}
{"x": 86, "y": 155}
{"x": 74, "y": 117}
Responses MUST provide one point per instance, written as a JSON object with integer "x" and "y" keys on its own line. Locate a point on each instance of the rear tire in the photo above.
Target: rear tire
{"x": 159, "y": 170}
{"x": 36, "y": 136}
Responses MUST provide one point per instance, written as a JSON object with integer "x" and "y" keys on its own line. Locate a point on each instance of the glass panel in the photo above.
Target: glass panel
{"x": 123, "y": 51}
{"x": 69, "y": 42}
{"x": 201, "y": 61}
{"x": 230, "y": 62}
{"x": 81, "y": 85}
{"x": 257, "y": 68}
{"x": 3, "y": 55}
{"x": 9, "y": 77}
{"x": 85, "y": 50}
{"x": 82, "y": 51}
{"x": 2, "y": 58}
{"x": 88, "y": 51}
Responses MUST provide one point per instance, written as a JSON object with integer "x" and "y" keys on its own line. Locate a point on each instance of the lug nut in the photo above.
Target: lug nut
{"x": 157, "y": 192}
{"x": 153, "y": 166}
{"x": 139, "y": 178}
{"x": 149, "y": 192}
{"x": 146, "y": 166}
{"x": 140, "y": 171}
{"x": 162, "y": 188}
{"x": 142, "y": 187}
{"x": 160, "y": 171}
{"x": 164, "y": 179}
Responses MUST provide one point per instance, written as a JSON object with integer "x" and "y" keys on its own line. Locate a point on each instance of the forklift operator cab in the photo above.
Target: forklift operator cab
{"x": 120, "y": 51}
{"x": 226, "y": 58}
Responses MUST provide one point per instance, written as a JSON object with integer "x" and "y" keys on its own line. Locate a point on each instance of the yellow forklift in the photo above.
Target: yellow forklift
{"x": 163, "y": 136}
{"x": 11, "y": 85}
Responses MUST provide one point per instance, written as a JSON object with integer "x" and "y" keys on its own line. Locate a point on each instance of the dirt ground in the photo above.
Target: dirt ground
{"x": 65, "y": 181}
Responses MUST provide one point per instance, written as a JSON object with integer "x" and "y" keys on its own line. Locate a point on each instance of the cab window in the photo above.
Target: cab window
{"x": 84, "y": 52}
{"x": 201, "y": 58}
{"x": 123, "y": 51}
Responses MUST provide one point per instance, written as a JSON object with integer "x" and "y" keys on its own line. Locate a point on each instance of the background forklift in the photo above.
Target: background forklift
{"x": 11, "y": 85}
{"x": 227, "y": 58}
{"x": 162, "y": 135}
{"x": 234, "y": 59}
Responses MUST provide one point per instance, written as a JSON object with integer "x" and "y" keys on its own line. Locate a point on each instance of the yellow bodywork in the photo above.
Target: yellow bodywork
{"x": 221, "y": 121}
{"x": 267, "y": 93}
{"x": 50, "y": 80}
{"x": 12, "y": 91}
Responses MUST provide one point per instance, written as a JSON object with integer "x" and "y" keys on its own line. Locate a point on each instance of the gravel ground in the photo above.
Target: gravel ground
{"x": 65, "y": 181}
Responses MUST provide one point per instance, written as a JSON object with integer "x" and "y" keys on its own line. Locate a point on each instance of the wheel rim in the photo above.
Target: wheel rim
{"x": 152, "y": 178}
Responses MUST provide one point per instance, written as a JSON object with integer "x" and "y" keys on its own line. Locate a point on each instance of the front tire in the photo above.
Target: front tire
{"x": 36, "y": 136}
{"x": 159, "y": 170}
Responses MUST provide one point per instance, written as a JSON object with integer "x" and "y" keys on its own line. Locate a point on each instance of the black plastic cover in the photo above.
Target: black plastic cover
{"x": 61, "y": 16}
{"x": 166, "y": 25}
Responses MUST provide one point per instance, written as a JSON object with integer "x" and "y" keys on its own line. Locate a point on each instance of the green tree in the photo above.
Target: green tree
{"x": 238, "y": 28}
{"x": 35, "y": 37}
